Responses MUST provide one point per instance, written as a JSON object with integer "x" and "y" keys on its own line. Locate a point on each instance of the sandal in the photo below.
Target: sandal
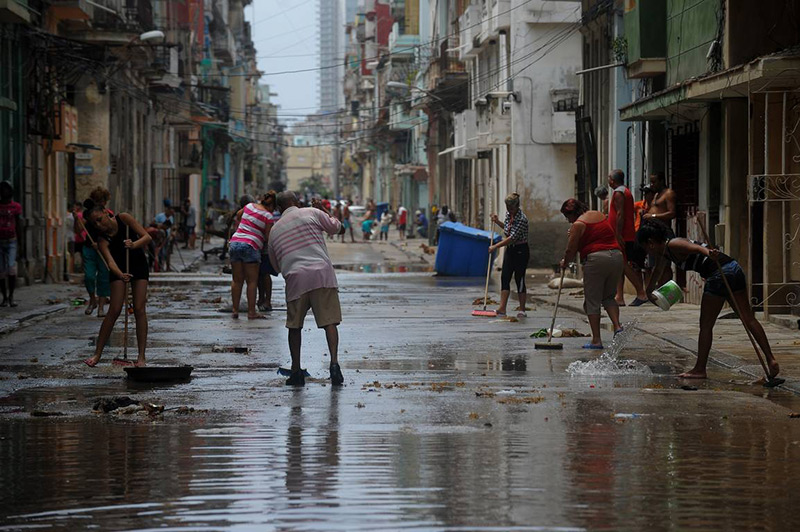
{"x": 90, "y": 309}
{"x": 592, "y": 346}
{"x": 621, "y": 329}
{"x": 522, "y": 314}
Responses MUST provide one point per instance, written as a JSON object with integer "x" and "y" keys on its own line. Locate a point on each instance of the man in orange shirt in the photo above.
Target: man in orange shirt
{"x": 643, "y": 205}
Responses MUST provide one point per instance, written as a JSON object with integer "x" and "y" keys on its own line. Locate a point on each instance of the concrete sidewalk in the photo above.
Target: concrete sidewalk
{"x": 680, "y": 327}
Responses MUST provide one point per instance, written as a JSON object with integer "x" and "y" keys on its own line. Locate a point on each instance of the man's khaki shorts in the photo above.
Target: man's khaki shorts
{"x": 324, "y": 302}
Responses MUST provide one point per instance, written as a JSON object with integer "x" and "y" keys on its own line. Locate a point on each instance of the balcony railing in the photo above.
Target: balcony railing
{"x": 124, "y": 15}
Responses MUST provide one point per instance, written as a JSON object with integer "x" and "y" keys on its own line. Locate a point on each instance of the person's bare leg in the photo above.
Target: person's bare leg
{"x": 613, "y": 314}
{"x": 636, "y": 280}
{"x": 295, "y": 341}
{"x": 251, "y": 275}
{"x": 756, "y": 330}
{"x": 237, "y": 269}
{"x": 709, "y": 310}
{"x": 523, "y": 299}
{"x": 503, "y": 301}
{"x": 332, "y": 336}
{"x": 594, "y": 324}
{"x": 620, "y": 299}
{"x": 139, "y": 288}
{"x": 114, "y": 308}
{"x": 101, "y": 306}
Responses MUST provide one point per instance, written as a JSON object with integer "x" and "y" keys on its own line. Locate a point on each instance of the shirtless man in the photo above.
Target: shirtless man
{"x": 663, "y": 204}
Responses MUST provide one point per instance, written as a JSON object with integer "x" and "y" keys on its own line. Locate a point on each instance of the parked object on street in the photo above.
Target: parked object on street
{"x": 549, "y": 344}
{"x": 484, "y": 312}
{"x": 159, "y": 373}
{"x": 462, "y": 251}
{"x": 667, "y": 295}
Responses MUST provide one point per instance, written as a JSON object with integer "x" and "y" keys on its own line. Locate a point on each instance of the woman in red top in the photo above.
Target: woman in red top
{"x": 593, "y": 237}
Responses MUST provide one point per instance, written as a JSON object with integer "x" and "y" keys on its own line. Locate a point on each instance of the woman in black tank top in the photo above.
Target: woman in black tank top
{"x": 656, "y": 238}
{"x": 122, "y": 240}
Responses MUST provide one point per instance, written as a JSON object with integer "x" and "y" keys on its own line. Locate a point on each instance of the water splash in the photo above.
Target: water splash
{"x": 609, "y": 363}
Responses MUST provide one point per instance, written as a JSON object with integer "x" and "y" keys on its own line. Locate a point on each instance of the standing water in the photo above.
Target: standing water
{"x": 609, "y": 364}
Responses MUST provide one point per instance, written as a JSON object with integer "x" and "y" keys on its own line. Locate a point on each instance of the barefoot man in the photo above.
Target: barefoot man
{"x": 620, "y": 216}
{"x": 297, "y": 250}
{"x": 662, "y": 208}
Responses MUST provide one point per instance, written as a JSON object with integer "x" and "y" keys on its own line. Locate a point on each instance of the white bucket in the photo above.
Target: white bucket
{"x": 668, "y": 295}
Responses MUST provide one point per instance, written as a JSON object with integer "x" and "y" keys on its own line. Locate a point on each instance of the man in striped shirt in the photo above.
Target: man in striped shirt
{"x": 297, "y": 250}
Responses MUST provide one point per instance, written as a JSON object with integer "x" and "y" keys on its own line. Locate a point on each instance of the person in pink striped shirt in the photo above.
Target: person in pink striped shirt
{"x": 297, "y": 250}
{"x": 255, "y": 223}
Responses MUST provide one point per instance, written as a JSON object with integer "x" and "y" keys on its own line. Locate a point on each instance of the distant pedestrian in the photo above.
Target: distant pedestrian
{"x": 366, "y": 227}
{"x": 441, "y": 217}
{"x": 386, "y": 221}
{"x": 95, "y": 273}
{"x": 297, "y": 250}
{"x": 266, "y": 271}
{"x": 402, "y": 221}
{"x": 10, "y": 235}
{"x": 515, "y": 260}
{"x": 347, "y": 221}
{"x": 76, "y": 235}
{"x": 209, "y": 222}
{"x": 255, "y": 222}
{"x": 190, "y": 222}
{"x": 621, "y": 217}
{"x": 601, "y": 255}
{"x": 422, "y": 224}
{"x": 128, "y": 264}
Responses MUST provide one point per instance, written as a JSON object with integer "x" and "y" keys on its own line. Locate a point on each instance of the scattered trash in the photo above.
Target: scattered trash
{"x": 360, "y": 405}
{"x": 106, "y": 404}
{"x": 794, "y": 415}
{"x": 229, "y": 349}
{"x": 215, "y": 301}
{"x": 529, "y": 400}
{"x": 628, "y": 416}
{"x": 152, "y": 409}
{"x": 487, "y": 424}
{"x": 506, "y": 392}
{"x": 78, "y": 301}
{"x": 473, "y": 415}
{"x": 576, "y": 293}
{"x": 42, "y": 413}
{"x": 53, "y": 301}
{"x": 490, "y": 301}
{"x": 34, "y": 360}
{"x": 568, "y": 283}
{"x": 689, "y": 388}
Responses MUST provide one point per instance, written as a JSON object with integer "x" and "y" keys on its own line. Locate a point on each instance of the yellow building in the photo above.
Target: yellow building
{"x": 306, "y": 157}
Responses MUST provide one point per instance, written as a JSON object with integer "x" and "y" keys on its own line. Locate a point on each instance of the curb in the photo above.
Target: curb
{"x": 31, "y": 317}
{"x": 721, "y": 358}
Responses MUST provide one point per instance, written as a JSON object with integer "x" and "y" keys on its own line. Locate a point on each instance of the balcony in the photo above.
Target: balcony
{"x": 547, "y": 12}
{"x": 469, "y": 23}
{"x": 447, "y": 79}
{"x": 466, "y": 135}
{"x": 224, "y": 46}
{"x": 121, "y": 22}
{"x": 403, "y": 47}
{"x": 14, "y": 11}
{"x": 494, "y": 125}
{"x": 72, "y": 10}
{"x": 500, "y": 16}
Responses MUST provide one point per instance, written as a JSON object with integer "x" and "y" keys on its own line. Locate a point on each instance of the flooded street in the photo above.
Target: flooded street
{"x": 445, "y": 422}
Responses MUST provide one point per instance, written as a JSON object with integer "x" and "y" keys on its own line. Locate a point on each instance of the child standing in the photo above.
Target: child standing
{"x": 386, "y": 221}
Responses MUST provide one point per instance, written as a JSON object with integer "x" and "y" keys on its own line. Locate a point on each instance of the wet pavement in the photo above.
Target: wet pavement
{"x": 445, "y": 422}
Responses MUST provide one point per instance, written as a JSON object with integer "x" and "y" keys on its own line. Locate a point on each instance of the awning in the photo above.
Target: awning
{"x": 773, "y": 72}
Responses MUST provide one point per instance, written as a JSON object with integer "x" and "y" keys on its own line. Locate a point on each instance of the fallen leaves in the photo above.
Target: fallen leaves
{"x": 514, "y": 400}
{"x": 490, "y": 301}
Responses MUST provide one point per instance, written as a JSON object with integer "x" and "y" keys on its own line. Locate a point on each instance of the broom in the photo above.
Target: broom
{"x": 549, "y": 344}
{"x": 486, "y": 313}
{"x": 124, "y": 360}
{"x": 770, "y": 382}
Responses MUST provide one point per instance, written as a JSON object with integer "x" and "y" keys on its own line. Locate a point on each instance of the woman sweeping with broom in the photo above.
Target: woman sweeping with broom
{"x": 114, "y": 240}
{"x": 656, "y": 238}
{"x": 603, "y": 264}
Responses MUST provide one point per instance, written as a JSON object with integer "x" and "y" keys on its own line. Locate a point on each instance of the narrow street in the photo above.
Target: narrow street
{"x": 445, "y": 422}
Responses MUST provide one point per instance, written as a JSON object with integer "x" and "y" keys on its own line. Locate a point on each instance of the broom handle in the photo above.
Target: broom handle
{"x": 488, "y": 271}
{"x": 99, "y": 253}
{"x": 735, "y": 305}
{"x": 555, "y": 310}
{"x": 125, "y": 305}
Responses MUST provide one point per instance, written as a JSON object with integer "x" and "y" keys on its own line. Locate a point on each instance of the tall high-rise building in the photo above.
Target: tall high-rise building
{"x": 331, "y": 55}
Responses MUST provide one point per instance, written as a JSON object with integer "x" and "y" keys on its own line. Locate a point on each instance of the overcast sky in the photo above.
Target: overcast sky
{"x": 285, "y": 34}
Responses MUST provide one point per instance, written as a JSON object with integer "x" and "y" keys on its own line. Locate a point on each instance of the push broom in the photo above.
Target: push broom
{"x": 486, "y": 313}
{"x": 124, "y": 360}
{"x": 549, "y": 344}
{"x": 770, "y": 382}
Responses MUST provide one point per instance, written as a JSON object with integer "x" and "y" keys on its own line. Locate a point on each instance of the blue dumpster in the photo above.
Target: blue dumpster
{"x": 463, "y": 251}
{"x": 381, "y": 208}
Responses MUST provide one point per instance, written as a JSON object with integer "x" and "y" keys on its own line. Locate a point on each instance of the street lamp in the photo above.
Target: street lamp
{"x": 406, "y": 86}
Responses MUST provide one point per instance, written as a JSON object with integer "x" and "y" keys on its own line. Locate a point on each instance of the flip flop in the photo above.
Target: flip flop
{"x": 592, "y": 346}
{"x": 619, "y": 331}
{"x": 522, "y": 314}
{"x": 90, "y": 309}
{"x": 89, "y": 362}
{"x": 638, "y": 302}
